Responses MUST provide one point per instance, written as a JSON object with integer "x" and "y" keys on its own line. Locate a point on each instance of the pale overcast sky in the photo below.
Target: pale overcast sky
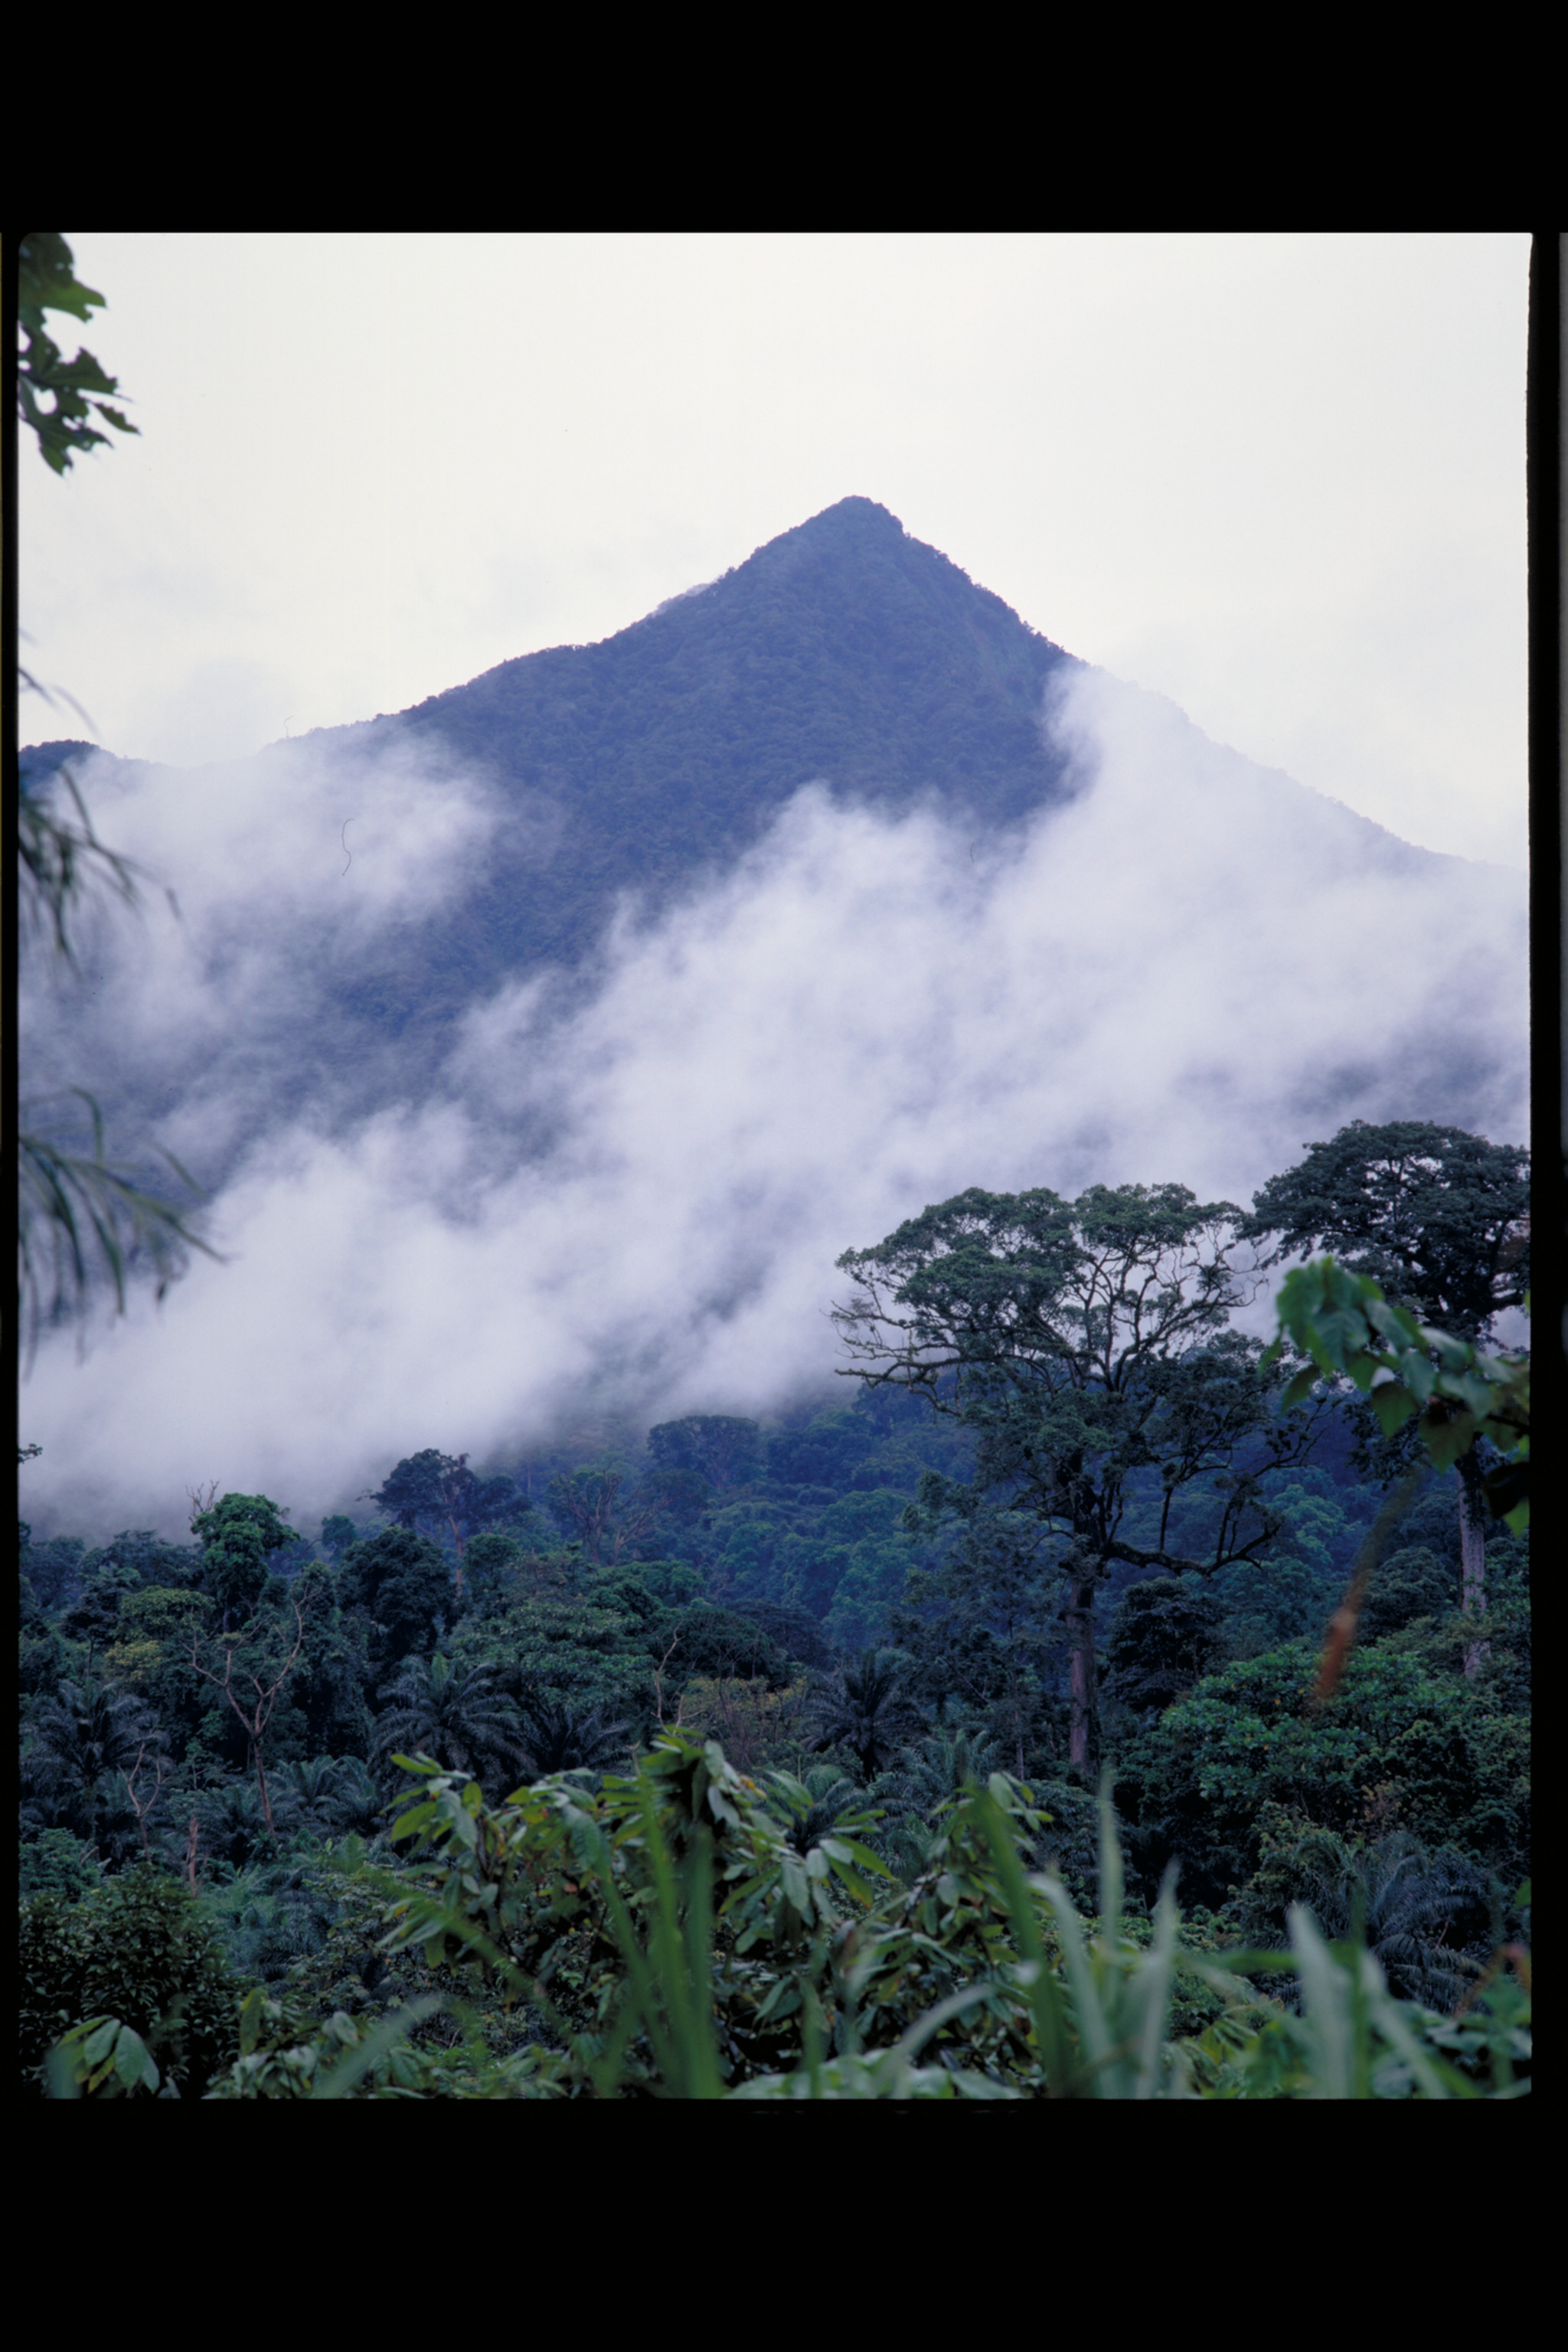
{"x": 1279, "y": 478}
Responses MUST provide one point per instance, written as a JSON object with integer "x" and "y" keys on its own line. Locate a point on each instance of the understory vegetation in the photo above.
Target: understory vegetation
{"x": 1093, "y": 1704}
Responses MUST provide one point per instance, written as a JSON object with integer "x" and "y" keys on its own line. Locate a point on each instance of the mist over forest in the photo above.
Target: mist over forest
{"x": 752, "y": 1163}
{"x": 542, "y": 1048}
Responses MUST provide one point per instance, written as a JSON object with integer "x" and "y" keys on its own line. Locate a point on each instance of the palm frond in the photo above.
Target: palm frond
{"x": 83, "y": 1220}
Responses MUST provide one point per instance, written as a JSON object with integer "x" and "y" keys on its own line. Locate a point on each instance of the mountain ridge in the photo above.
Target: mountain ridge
{"x": 632, "y": 773}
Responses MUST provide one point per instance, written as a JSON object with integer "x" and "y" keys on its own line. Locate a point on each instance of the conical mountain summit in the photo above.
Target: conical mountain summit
{"x": 843, "y": 650}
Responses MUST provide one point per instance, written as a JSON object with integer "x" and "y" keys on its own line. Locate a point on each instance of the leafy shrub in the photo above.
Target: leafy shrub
{"x": 1394, "y": 1748}
{"x": 136, "y": 1951}
{"x": 56, "y": 1863}
{"x": 712, "y": 1957}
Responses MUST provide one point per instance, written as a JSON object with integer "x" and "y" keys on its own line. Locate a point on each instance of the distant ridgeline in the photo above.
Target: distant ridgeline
{"x": 843, "y": 651}
{"x": 41, "y": 762}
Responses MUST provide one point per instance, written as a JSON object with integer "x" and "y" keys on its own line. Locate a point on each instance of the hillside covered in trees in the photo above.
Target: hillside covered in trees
{"x": 843, "y": 651}
{"x": 1060, "y": 1534}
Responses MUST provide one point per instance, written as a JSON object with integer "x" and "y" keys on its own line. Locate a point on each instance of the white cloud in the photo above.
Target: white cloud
{"x": 1186, "y": 974}
{"x": 285, "y": 868}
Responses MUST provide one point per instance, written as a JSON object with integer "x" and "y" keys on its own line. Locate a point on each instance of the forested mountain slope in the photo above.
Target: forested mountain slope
{"x": 844, "y": 651}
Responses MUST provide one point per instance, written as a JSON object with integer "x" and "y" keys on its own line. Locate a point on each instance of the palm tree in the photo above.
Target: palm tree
{"x": 832, "y": 1794}
{"x": 305, "y": 1795}
{"x": 1428, "y": 1916}
{"x": 942, "y": 1765}
{"x": 926, "y": 1777}
{"x": 565, "y": 1739}
{"x": 454, "y": 1714}
{"x": 865, "y": 1710}
{"x": 233, "y": 1827}
{"x": 84, "y": 1740}
{"x": 274, "y": 1913}
{"x": 361, "y": 1810}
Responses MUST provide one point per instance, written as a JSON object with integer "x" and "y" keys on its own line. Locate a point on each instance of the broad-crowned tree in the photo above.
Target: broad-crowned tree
{"x": 1166, "y": 1634}
{"x": 587, "y": 1504}
{"x": 438, "y": 1494}
{"x": 404, "y": 1585}
{"x": 1440, "y": 1219}
{"x": 238, "y": 1533}
{"x": 1085, "y": 1344}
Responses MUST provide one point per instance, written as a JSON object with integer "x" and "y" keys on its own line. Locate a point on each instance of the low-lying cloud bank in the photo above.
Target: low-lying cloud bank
{"x": 1186, "y": 974}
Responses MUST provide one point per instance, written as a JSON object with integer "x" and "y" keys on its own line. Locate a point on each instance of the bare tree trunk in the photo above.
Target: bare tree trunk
{"x": 1472, "y": 1556}
{"x": 140, "y": 1810}
{"x": 1083, "y": 1738}
{"x": 266, "y": 1798}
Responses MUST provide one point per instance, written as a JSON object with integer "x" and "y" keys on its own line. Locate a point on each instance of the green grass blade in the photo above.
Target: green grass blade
{"x": 1044, "y": 1993}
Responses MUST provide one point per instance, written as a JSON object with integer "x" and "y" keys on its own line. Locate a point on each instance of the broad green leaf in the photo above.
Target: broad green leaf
{"x": 1447, "y": 1439}
{"x": 1393, "y": 1403}
{"x": 843, "y": 1849}
{"x": 1479, "y": 1394}
{"x": 133, "y": 2061}
{"x": 792, "y": 1870}
{"x": 362, "y": 2055}
{"x": 99, "y": 2041}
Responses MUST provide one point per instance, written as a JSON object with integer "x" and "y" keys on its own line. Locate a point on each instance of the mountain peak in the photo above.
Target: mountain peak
{"x": 846, "y": 519}
{"x": 853, "y": 531}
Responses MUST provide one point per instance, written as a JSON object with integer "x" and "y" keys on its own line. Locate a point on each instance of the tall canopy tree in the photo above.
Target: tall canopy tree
{"x": 1440, "y": 1219}
{"x": 238, "y": 1533}
{"x": 401, "y": 1581}
{"x": 1086, "y": 1345}
{"x": 435, "y": 1495}
{"x": 586, "y": 1506}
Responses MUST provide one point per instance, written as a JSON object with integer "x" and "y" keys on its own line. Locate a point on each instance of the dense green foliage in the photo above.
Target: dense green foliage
{"x": 137, "y": 1950}
{"x": 802, "y": 1696}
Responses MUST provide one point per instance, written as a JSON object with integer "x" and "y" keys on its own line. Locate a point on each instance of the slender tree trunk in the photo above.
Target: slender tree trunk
{"x": 1472, "y": 1556}
{"x": 262, "y": 1784}
{"x": 1084, "y": 1734}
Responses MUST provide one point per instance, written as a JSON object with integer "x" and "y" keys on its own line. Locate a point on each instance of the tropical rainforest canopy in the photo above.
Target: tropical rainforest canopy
{"x": 1045, "y": 1591}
